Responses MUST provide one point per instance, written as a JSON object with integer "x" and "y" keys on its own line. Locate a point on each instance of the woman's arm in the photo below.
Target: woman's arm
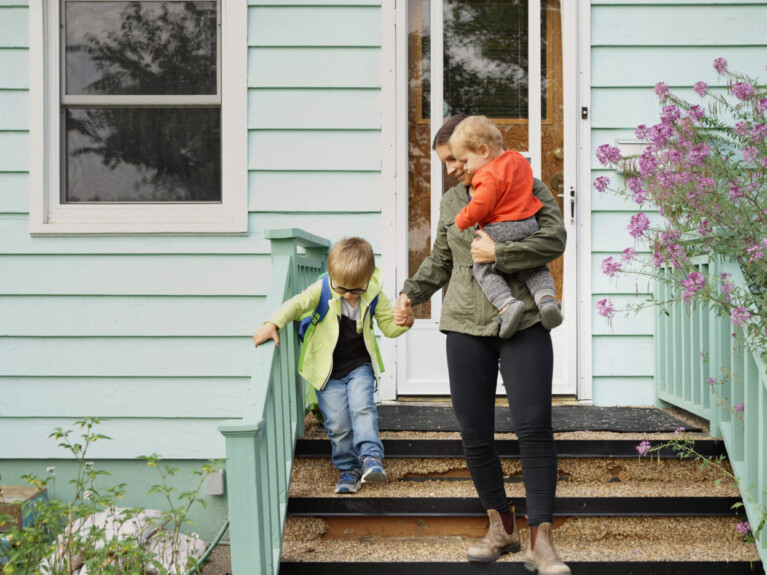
{"x": 435, "y": 270}
{"x": 538, "y": 249}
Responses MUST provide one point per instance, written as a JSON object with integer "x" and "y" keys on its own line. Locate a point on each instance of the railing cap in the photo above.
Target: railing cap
{"x": 302, "y": 238}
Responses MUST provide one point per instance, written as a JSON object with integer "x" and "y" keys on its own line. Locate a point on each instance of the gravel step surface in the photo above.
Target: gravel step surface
{"x": 577, "y": 539}
{"x": 598, "y": 477}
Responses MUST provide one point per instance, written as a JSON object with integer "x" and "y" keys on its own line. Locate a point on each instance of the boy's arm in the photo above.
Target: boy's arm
{"x": 483, "y": 202}
{"x": 297, "y": 306}
{"x": 385, "y": 319}
{"x": 540, "y": 247}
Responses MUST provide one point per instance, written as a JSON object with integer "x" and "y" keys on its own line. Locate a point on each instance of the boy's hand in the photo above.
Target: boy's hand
{"x": 266, "y": 332}
{"x": 403, "y": 311}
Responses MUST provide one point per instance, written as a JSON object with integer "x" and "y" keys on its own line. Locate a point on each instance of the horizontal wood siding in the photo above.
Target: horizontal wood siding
{"x": 675, "y": 42}
{"x": 153, "y": 332}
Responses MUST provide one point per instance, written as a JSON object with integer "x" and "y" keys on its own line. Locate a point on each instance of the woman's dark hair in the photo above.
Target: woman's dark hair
{"x": 444, "y": 133}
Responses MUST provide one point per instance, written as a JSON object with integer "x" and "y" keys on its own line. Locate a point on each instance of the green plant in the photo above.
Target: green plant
{"x": 92, "y": 530}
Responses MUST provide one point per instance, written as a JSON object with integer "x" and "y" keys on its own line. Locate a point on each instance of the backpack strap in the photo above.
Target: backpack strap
{"x": 309, "y": 323}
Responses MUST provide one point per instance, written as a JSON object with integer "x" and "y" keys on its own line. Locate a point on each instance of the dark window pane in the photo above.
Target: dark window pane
{"x": 146, "y": 48}
{"x": 143, "y": 155}
{"x": 485, "y": 58}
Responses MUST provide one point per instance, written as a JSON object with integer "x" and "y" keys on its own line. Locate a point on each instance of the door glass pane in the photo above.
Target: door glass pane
{"x": 142, "y": 155}
{"x": 485, "y": 72}
{"x": 147, "y": 48}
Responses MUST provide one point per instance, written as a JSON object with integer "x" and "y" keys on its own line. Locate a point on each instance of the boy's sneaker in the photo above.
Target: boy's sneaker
{"x": 373, "y": 471}
{"x": 349, "y": 482}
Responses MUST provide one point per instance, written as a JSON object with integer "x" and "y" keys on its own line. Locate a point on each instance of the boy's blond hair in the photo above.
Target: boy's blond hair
{"x": 476, "y": 131}
{"x": 351, "y": 262}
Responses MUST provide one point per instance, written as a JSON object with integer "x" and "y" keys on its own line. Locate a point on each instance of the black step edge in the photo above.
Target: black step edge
{"x": 471, "y": 506}
{"x": 436, "y": 448}
{"x": 517, "y": 568}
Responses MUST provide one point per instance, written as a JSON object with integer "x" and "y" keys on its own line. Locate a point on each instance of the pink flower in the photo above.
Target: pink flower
{"x": 638, "y": 224}
{"x": 739, "y": 408}
{"x": 711, "y": 381}
{"x": 692, "y": 285}
{"x": 743, "y": 528}
{"x": 643, "y": 448}
{"x": 601, "y": 183}
{"x": 699, "y": 153}
{"x": 751, "y": 154}
{"x": 735, "y": 193}
{"x": 628, "y": 254}
{"x": 670, "y": 114}
{"x": 639, "y": 196}
{"x": 696, "y": 113}
{"x": 610, "y": 266}
{"x": 705, "y": 228}
{"x": 641, "y": 130}
{"x": 661, "y": 89}
{"x": 607, "y": 154}
{"x": 605, "y": 308}
{"x": 678, "y": 431}
{"x": 739, "y": 316}
{"x": 761, "y": 107}
{"x": 741, "y": 129}
{"x": 720, "y": 65}
{"x": 743, "y": 90}
{"x": 701, "y": 88}
{"x": 755, "y": 252}
{"x": 759, "y": 132}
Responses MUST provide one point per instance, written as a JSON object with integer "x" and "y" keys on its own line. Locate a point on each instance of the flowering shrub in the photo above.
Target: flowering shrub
{"x": 704, "y": 169}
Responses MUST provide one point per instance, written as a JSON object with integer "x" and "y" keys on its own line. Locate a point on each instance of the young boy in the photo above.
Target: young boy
{"x": 341, "y": 358}
{"x": 504, "y": 206}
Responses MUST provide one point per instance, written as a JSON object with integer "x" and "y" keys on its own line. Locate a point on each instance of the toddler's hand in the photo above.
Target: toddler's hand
{"x": 266, "y": 332}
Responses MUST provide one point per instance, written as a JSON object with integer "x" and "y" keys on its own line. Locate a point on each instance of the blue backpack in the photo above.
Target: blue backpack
{"x": 309, "y": 322}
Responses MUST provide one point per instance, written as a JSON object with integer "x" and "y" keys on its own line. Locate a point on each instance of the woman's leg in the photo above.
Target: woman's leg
{"x": 472, "y": 364}
{"x": 527, "y": 361}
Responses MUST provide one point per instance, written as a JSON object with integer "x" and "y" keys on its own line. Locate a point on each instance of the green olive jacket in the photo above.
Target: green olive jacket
{"x": 465, "y": 308}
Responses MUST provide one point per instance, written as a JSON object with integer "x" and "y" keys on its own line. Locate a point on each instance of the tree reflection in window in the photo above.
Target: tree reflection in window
{"x": 126, "y": 150}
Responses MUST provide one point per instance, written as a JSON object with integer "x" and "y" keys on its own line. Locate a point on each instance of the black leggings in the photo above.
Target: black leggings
{"x": 526, "y": 363}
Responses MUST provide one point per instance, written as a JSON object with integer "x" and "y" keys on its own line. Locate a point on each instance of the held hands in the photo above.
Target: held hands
{"x": 266, "y": 332}
{"x": 403, "y": 311}
{"x": 483, "y": 248}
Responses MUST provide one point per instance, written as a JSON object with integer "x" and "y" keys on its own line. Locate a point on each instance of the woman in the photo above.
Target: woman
{"x": 474, "y": 352}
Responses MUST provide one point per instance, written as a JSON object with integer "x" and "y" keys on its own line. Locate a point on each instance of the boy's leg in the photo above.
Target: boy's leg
{"x": 364, "y": 417}
{"x": 334, "y": 404}
{"x": 541, "y": 285}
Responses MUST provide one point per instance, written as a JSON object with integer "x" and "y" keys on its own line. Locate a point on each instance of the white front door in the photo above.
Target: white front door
{"x": 505, "y": 59}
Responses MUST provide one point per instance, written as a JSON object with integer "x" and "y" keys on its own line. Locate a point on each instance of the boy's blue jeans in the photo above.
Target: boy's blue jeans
{"x": 351, "y": 418}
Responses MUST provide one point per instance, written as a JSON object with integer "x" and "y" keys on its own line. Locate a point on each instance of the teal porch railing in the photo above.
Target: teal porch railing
{"x": 260, "y": 447}
{"x": 693, "y": 344}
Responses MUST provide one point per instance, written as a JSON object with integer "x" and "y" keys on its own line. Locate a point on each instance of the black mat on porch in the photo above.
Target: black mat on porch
{"x": 564, "y": 417}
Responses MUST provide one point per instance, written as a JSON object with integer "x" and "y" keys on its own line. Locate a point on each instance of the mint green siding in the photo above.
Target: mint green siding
{"x": 154, "y": 332}
{"x": 634, "y": 45}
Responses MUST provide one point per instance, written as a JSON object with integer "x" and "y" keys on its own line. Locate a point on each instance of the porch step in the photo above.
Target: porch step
{"x": 590, "y": 545}
{"x": 437, "y": 446}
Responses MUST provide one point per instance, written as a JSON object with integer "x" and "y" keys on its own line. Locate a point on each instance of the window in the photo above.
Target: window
{"x": 141, "y": 127}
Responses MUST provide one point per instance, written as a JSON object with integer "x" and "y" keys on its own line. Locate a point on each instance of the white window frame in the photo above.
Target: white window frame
{"x": 48, "y": 216}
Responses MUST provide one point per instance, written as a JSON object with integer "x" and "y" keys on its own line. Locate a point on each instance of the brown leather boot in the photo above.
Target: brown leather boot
{"x": 544, "y": 558}
{"x": 496, "y": 542}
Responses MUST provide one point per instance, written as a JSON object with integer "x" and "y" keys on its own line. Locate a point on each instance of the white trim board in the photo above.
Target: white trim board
{"x": 49, "y": 217}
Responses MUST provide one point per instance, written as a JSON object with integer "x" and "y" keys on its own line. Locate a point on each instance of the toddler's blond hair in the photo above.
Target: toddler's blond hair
{"x": 476, "y": 131}
{"x": 351, "y": 262}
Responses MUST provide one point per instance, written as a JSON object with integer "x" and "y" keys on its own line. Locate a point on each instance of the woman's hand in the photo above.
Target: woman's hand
{"x": 266, "y": 332}
{"x": 403, "y": 311}
{"x": 483, "y": 248}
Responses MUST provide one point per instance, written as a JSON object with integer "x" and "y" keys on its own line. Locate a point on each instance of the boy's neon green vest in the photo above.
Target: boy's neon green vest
{"x": 318, "y": 354}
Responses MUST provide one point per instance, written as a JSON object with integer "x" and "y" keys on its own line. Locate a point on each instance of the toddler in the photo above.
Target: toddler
{"x": 341, "y": 358}
{"x": 504, "y": 206}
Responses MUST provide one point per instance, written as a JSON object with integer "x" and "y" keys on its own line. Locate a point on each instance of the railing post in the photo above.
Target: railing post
{"x": 251, "y": 545}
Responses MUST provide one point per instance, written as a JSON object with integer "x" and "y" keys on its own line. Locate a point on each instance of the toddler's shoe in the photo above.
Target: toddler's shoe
{"x": 510, "y": 319}
{"x": 551, "y": 314}
{"x": 349, "y": 482}
{"x": 373, "y": 471}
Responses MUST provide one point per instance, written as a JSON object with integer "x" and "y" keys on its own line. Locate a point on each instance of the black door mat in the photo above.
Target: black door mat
{"x": 564, "y": 418}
